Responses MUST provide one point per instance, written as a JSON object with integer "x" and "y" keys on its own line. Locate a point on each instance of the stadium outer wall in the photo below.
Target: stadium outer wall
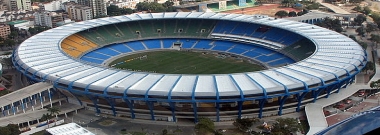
{"x": 217, "y": 108}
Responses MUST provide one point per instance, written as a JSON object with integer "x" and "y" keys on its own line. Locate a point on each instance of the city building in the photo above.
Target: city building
{"x": 46, "y": 18}
{"x": 5, "y": 30}
{"x": 98, "y": 7}
{"x": 124, "y": 3}
{"x": 54, "y": 5}
{"x": 21, "y": 24}
{"x": 78, "y": 12}
{"x": 14, "y": 5}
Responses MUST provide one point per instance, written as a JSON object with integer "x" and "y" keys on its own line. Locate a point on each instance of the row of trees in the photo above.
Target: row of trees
{"x": 281, "y": 126}
{"x": 153, "y": 7}
{"x": 332, "y": 24}
{"x": 113, "y": 10}
{"x": 283, "y": 13}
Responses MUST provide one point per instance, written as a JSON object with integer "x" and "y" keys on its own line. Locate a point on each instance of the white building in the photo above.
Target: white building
{"x": 54, "y": 5}
{"x": 46, "y": 18}
{"x": 14, "y": 5}
{"x": 124, "y": 3}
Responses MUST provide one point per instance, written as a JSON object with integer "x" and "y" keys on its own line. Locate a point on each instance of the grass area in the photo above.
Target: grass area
{"x": 183, "y": 62}
{"x": 43, "y": 132}
{"x": 305, "y": 126}
{"x": 4, "y": 92}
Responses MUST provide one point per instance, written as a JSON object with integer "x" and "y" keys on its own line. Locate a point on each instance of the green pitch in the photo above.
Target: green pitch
{"x": 183, "y": 62}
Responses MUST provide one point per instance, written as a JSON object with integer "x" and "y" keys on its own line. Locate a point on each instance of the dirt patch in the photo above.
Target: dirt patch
{"x": 266, "y": 9}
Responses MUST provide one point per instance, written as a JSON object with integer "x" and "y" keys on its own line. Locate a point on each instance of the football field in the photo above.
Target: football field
{"x": 183, "y": 62}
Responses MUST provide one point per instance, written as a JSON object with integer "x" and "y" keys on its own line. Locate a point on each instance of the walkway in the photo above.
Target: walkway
{"x": 35, "y": 115}
{"x": 24, "y": 93}
{"x": 332, "y": 7}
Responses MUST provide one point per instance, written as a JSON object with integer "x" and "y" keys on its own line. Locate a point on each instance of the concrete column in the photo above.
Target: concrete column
{"x": 26, "y": 105}
{"x": 38, "y": 121}
{"x": 22, "y": 105}
{"x": 42, "y": 104}
{"x": 65, "y": 115}
{"x": 51, "y": 104}
{"x": 2, "y": 110}
{"x": 17, "y": 109}
{"x": 32, "y": 108}
{"x": 13, "y": 109}
{"x": 28, "y": 124}
{"x": 8, "y": 111}
{"x": 60, "y": 103}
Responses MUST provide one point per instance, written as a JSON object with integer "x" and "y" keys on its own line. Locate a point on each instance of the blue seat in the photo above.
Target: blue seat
{"x": 245, "y": 46}
{"x": 252, "y": 54}
{"x": 203, "y": 44}
{"x": 136, "y": 45}
{"x": 94, "y": 54}
{"x": 168, "y": 43}
{"x": 152, "y": 44}
{"x": 263, "y": 51}
{"x": 237, "y": 50}
{"x": 274, "y": 56}
{"x": 106, "y": 50}
{"x": 92, "y": 60}
{"x": 221, "y": 48}
{"x": 188, "y": 43}
{"x": 121, "y": 48}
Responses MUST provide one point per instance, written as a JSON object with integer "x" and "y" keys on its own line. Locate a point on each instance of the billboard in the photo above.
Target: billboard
{"x": 222, "y": 4}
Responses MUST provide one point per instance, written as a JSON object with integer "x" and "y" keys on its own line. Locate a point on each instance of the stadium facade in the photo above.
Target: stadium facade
{"x": 73, "y": 58}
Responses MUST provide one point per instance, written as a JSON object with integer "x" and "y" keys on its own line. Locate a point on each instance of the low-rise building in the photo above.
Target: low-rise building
{"x": 5, "y": 30}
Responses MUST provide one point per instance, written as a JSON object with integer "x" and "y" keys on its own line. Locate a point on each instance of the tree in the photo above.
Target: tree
{"x": 313, "y": 6}
{"x": 357, "y": 8}
{"x": 331, "y": 24}
{"x": 281, "y": 13}
{"x": 360, "y": 19}
{"x": 205, "y": 125}
{"x": 292, "y": 14}
{"x": 360, "y": 31}
{"x": 113, "y": 10}
{"x": 353, "y": 38}
{"x": 375, "y": 84}
{"x": 370, "y": 66}
{"x": 370, "y": 27}
{"x": 363, "y": 44}
{"x": 375, "y": 38}
{"x": 244, "y": 124}
{"x": 366, "y": 10}
{"x": 53, "y": 111}
{"x": 14, "y": 129}
{"x": 285, "y": 126}
{"x": 164, "y": 132}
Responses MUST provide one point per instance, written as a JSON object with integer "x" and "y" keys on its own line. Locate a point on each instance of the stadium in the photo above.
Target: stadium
{"x": 300, "y": 63}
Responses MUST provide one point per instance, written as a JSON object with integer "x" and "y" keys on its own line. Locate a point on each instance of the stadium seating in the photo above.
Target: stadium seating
{"x": 188, "y": 43}
{"x": 75, "y": 45}
{"x": 168, "y": 42}
{"x": 92, "y": 60}
{"x": 108, "y": 51}
{"x": 222, "y": 45}
{"x": 256, "y": 31}
{"x": 267, "y": 58}
{"x": 203, "y": 44}
{"x": 120, "y": 48}
{"x": 252, "y": 54}
{"x": 136, "y": 45}
{"x": 152, "y": 44}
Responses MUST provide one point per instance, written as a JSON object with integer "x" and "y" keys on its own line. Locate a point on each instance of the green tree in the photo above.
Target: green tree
{"x": 281, "y": 13}
{"x": 164, "y": 132}
{"x": 375, "y": 38}
{"x": 366, "y": 10}
{"x": 359, "y": 19}
{"x": 358, "y": 8}
{"x": 363, "y": 44}
{"x": 370, "y": 27}
{"x": 53, "y": 111}
{"x": 369, "y": 66}
{"x": 244, "y": 124}
{"x": 205, "y": 125}
{"x": 292, "y": 14}
{"x": 331, "y": 24}
{"x": 285, "y": 126}
{"x": 360, "y": 31}
{"x": 14, "y": 129}
{"x": 5, "y": 131}
{"x": 353, "y": 38}
{"x": 313, "y": 6}
{"x": 375, "y": 84}
{"x": 113, "y": 10}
